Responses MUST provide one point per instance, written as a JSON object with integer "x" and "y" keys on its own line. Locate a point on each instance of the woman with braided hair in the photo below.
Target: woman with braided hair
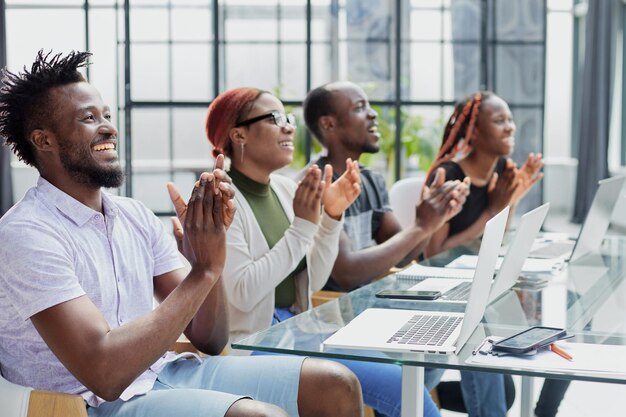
{"x": 477, "y": 140}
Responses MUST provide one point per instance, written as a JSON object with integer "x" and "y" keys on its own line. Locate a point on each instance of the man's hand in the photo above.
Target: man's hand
{"x": 441, "y": 201}
{"x": 528, "y": 175}
{"x": 203, "y": 240}
{"x": 223, "y": 184}
{"x": 339, "y": 195}
{"x": 308, "y": 198}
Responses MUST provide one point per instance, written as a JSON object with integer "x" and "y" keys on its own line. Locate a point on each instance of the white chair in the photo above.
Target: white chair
{"x": 19, "y": 401}
{"x": 403, "y": 197}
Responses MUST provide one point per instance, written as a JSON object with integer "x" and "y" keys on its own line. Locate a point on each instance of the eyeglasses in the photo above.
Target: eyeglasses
{"x": 280, "y": 119}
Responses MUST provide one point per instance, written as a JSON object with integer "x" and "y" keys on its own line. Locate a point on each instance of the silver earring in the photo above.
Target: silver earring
{"x": 242, "y": 150}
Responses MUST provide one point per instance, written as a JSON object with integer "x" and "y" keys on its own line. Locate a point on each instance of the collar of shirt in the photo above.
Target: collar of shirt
{"x": 71, "y": 208}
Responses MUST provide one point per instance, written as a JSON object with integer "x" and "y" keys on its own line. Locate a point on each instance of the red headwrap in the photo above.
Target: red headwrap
{"x": 224, "y": 113}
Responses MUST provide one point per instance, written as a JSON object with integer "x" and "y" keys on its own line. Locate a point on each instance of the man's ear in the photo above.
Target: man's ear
{"x": 327, "y": 122}
{"x": 42, "y": 139}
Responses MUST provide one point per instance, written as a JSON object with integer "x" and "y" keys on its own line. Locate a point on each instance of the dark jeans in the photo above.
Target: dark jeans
{"x": 552, "y": 394}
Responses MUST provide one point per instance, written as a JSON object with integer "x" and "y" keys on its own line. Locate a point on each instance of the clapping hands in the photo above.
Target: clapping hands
{"x": 339, "y": 195}
{"x": 441, "y": 201}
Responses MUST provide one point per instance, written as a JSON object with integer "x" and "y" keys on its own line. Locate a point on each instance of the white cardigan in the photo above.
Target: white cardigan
{"x": 253, "y": 271}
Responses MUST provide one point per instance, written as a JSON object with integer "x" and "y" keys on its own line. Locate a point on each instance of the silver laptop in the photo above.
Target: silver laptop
{"x": 426, "y": 331}
{"x": 594, "y": 227}
{"x": 527, "y": 230}
{"x": 456, "y": 290}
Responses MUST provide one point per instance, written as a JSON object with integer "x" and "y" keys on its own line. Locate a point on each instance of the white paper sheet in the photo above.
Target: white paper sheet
{"x": 419, "y": 271}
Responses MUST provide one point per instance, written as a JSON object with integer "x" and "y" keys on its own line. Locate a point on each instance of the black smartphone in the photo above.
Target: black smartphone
{"x": 529, "y": 339}
{"x": 409, "y": 294}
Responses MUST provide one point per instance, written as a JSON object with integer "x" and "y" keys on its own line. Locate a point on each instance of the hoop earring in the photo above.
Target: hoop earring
{"x": 242, "y": 151}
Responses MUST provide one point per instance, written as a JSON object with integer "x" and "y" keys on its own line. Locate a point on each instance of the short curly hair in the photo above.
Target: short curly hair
{"x": 24, "y": 96}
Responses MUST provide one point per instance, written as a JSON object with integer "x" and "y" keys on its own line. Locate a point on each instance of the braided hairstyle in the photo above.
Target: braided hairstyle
{"x": 459, "y": 131}
{"x": 24, "y": 104}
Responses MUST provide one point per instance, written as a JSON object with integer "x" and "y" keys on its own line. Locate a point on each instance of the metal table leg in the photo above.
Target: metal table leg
{"x": 412, "y": 391}
{"x": 527, "y": 396}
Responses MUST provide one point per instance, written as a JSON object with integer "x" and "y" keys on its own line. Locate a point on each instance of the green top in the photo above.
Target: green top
{"x": 270, "y": 215}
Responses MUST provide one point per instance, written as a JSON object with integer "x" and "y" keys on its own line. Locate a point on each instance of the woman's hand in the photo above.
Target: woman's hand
{"x": 339, "y": 195}
{"x": 502, "y": 188}
{"x": 308, "y": 198}
{"x": 528, "y": 175}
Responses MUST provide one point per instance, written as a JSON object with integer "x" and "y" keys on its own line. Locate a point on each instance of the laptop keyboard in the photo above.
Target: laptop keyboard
{"x": 459, "y": 293}
{"x": 427, "y": 330}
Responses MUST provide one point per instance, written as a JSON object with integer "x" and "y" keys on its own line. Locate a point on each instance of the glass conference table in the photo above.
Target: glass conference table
{"x": 587, "y": 297}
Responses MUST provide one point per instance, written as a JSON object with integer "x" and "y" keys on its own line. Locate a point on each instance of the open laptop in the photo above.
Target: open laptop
{"x": 594, "y": 227}
{"x": 456, "y": 290}
{"x": 425, "y": 331}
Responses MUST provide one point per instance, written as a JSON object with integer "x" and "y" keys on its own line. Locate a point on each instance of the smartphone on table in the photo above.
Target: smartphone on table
{"x": 409, "y": 294}
{"x": 529, "y": 340}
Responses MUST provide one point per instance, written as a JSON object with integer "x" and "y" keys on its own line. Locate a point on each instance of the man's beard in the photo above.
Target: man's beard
{"x": 370, "y": 148}
{"x": 84, "y": 170}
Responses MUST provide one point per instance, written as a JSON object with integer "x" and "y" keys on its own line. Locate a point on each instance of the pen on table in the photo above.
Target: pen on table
{"x": 554, "y": 348}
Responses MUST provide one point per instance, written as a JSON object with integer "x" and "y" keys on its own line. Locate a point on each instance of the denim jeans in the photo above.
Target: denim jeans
{"x": 483, "y": 393}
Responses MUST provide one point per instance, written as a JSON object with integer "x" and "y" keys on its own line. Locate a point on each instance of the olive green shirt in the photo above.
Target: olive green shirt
{"x": 273, "y": 222}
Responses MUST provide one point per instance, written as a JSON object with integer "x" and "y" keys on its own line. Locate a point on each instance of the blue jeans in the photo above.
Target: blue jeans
{"x": 381, "y": 383}
{"x": 208, "y": 388}
{"x": 483, "y": 393}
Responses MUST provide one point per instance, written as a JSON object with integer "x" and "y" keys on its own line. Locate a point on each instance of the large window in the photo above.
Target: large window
{"x": 161, "y": 62}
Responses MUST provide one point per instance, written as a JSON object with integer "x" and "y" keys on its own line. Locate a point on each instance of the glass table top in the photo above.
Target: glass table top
{"x": 587, "y": 297}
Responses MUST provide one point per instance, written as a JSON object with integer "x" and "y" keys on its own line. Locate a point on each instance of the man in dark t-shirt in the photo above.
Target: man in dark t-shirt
{"x": 340, "y": 116}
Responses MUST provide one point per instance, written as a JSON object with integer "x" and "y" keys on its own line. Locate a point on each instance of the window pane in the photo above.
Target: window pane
{"x": 466, "y": 69}
{"x": 322, "y": 22}
{"x": 466, "y": 18}
{"x": 250, "y": 23}
{"x": 192, "y": 72}
{"x": 102, "y": 43}
{"x": 293, "y": 72}
{"x": 292, "y": 19}
{"x": 321, "y": 64}
{"x": 192, "y": 24}
{"x": 23, "y": 42}
{"x": 192, "y": 148}
{"x": 238, "y": 73}
{"x": 150, "y": 138}
{"x": 425, "y": 25}
{"x": 148, "y": 24}
{"x": 370, "y": 63}
{"x": 149, "y": 188}
{"x": 44, "y": 2}
{"x": 150, "y": 75}
{"x": 426, "y": 71}
{"x": 520, "y": 74}
{"x": 519, "y": 20}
